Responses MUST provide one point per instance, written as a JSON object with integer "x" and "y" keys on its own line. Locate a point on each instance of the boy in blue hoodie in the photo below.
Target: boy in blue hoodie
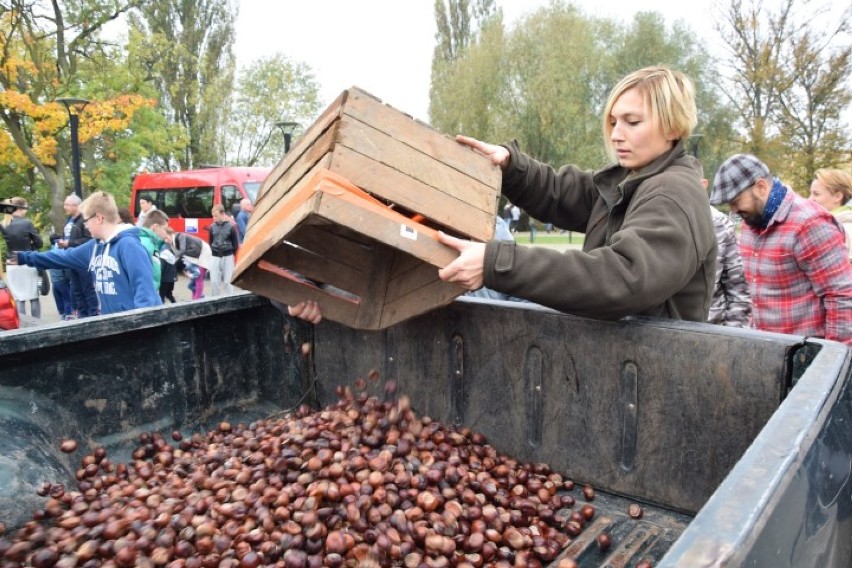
{"x": 115, "y": 257}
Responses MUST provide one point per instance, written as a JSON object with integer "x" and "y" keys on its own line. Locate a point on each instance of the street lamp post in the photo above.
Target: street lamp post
{"x": 74, "y": 107}
{"x": 287, "y": 129}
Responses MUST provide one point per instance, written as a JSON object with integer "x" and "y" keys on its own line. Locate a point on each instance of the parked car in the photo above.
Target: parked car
{"x": 8, "y": 310}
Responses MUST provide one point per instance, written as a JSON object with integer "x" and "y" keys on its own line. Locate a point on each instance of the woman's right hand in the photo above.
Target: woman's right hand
{"x": 499, "y": 155}
{"x": 308, "y": 310}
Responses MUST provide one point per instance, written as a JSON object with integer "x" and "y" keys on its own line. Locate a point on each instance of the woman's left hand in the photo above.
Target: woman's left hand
{"x": 467, "y": 270}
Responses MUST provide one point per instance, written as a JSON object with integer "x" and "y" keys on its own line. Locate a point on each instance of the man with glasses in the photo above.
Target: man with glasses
{"x": 115, "y": 257}
{"x": 793, "y": 251}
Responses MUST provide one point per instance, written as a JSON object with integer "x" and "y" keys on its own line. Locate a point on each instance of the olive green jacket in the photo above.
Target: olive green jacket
{"x": 650, "y": 246}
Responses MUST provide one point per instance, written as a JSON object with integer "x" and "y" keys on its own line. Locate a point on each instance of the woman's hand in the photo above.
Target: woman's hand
{"x": 308, "y": 310}
{"x": 468, "y": 268}
{"x": 499, "y": 155}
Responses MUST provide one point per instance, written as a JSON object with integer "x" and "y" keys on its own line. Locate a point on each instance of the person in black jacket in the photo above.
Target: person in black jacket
{"x": 21, "y": 235}
{"x": 83, "y": 295}
{"x": 224, "y": 243}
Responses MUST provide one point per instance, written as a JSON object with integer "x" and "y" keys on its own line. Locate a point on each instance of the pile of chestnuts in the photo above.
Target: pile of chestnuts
{"x": 360, "y": 483}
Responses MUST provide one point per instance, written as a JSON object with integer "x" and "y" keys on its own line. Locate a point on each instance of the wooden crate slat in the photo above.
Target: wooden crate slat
{"x": 408, "y": 282}
{"x": 403, "y": 263}
{"x": 420, "y": 136}
{"x": 272, "y": 230}
{"x": 278, "y": 287}
{"x": 383, "y": 229}
{"x": 258, "y": 219}
{"x": 378, "y": 146}
{"x": 413, "y": 194}
{"x": 319, "y": 269}
{"x": 316, "y": 156}
{"x": 425, "y": 296}
{"x": 327, "y": 239}
{"x": 306, "y": 141}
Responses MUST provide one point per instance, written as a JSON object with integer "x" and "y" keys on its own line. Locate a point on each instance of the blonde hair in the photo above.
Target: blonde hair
{"x": 836, "y": 181}
{"x": 101, "y": 203}
{"x": 669, "y": 96}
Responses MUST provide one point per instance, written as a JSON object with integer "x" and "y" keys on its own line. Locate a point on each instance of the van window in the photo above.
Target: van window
{"x": 252, "y": 189}
{"x": 231, "y": 197}
{"x": 192, "y": 202}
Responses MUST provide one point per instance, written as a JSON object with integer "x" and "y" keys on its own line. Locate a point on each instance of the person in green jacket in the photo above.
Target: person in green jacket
{"x": 152, "y": 234}
{"x": 650, "y": 245}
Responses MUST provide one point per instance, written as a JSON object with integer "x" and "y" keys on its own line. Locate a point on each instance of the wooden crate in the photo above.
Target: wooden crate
{"x": 356, "y": 205}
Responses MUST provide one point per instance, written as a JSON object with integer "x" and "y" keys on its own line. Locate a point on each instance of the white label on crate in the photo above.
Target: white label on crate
{"x": 407, "y": 232}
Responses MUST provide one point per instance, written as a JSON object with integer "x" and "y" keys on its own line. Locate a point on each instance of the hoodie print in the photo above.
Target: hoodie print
{"x": 106, "y": 269}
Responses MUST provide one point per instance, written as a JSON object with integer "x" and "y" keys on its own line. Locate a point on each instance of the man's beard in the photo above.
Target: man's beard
{"x": 754, "y": 220}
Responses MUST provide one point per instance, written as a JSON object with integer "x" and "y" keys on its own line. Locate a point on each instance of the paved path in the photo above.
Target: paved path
{"x": 49, "y": 314}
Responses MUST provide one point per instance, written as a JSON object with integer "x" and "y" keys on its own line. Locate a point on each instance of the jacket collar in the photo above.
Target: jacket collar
{"x": 615, "y": 182}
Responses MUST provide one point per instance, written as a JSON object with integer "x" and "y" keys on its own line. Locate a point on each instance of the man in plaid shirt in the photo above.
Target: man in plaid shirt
{"x": 794, "y": 253}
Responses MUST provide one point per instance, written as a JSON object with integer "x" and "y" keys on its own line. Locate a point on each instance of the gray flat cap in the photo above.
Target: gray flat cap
{"x": 735, "y": 175}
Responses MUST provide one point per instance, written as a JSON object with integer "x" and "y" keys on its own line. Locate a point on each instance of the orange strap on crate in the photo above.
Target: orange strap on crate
{"x": 337, "y": 185}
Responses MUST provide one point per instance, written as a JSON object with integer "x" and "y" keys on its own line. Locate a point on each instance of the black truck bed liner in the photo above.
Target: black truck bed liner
{"x": 681, "y": 418}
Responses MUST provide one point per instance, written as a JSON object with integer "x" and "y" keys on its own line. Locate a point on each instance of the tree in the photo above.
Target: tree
{"x": 809, "y": 109}
{"x": 755, "y": 37}
{"x": 787, "y": 74}
{"x": 45, "y": 50}
{"x": 460, "y": 26}
{"x": 546, "y": 81}
{"x": 558, "y": 72}
{"x": 187, "y": 51}
{"x": 270, "y": 90}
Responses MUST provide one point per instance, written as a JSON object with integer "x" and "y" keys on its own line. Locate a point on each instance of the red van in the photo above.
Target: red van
{"x": 187, "y": 197}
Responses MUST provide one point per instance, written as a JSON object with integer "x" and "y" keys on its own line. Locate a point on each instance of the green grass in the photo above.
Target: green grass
{"x": 553, "y": 238}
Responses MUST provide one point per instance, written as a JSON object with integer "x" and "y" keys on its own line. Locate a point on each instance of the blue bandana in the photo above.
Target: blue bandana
{"x": 776, "y": 196}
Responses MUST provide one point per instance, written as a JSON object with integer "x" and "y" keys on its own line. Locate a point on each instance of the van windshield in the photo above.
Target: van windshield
{"x": 252, "y": 188}
{"x": 189, "y": 202}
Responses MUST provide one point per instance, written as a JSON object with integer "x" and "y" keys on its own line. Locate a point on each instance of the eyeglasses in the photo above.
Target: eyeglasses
{"x": 89, "y": 218}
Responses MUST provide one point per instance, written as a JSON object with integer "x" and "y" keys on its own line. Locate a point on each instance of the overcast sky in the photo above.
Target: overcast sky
{"x": 385, "y": 46}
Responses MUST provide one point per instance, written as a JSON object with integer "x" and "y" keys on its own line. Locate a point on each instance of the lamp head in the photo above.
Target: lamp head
{"x": 73, "y": 102}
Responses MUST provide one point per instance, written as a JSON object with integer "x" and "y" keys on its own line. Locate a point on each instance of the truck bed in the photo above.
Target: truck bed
{"x": 633, "y": 540}
{"x": 701, "y": 425}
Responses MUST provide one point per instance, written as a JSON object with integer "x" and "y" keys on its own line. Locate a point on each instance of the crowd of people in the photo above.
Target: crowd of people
{"x": 102, "y": 263}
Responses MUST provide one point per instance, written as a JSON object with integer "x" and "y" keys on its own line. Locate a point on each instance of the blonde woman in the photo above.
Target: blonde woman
{"x": 21, "y": 235}
{"x": 833, "y": 189}
{"x": 650, "y": 246}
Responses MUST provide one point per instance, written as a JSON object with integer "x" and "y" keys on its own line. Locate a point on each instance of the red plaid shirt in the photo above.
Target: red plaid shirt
{"x": 798, "y": 273}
